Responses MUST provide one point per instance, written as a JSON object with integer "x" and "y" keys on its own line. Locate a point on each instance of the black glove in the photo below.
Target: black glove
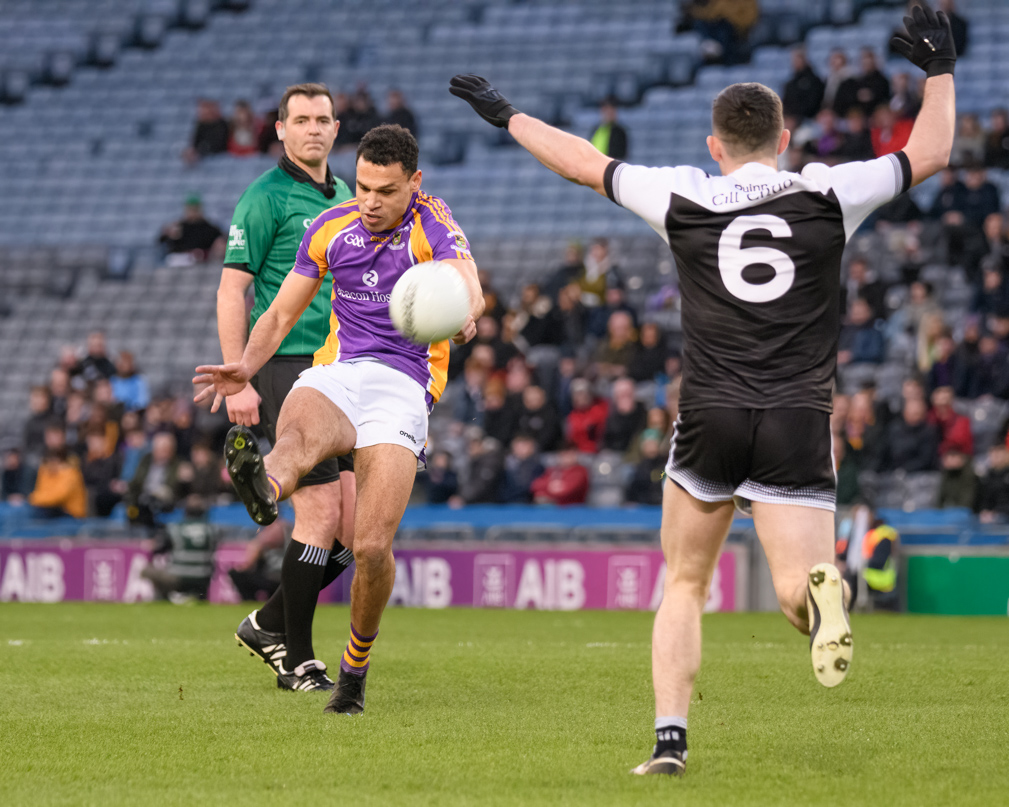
{"x": 928, "y": 42}
{"x": 489, "y": 104}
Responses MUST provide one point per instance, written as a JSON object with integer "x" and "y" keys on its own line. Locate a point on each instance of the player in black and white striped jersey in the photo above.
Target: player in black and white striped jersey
{"x": 759, "y": 254}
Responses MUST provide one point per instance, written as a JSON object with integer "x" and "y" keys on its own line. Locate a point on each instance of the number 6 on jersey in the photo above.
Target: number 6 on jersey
{"x": 733, "y": 259}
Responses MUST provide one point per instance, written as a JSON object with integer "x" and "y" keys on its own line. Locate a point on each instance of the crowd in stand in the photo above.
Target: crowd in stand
{"x": 248, "y": 132}
{"x": 95, "y": 437}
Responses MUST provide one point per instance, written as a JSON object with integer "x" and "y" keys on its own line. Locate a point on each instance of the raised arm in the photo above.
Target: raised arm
{"x": 928, "y": 43}
{"x": 572, "y": 157}
{"x": 295, "y": 295}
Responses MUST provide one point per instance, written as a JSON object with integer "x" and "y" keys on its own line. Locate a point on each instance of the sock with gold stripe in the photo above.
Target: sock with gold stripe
{"x": 357, "y": 655}
{"x": 275, "y": 486}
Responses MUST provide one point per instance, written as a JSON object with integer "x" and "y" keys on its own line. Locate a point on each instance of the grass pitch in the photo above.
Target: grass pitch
{"x": 155, "y": 704}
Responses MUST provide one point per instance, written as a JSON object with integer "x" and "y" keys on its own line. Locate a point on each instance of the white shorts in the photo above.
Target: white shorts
{"x": 383, "y": 404}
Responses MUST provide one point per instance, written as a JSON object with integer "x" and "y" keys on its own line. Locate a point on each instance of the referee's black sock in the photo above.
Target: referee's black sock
{"x": 271, "y": 615}
{"x": 671, "y": 735}
{"x": 301, "y": 578}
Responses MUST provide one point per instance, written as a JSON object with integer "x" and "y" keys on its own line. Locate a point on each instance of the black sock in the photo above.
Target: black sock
{"x": 339, "y": 561}
{"x": 271, "y": 615}
{"x": 300, "y": 578}
{"x": 671, "y": 735}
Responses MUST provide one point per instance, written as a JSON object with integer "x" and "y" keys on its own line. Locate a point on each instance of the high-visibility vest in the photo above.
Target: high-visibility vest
{"x": 885, "y": 579}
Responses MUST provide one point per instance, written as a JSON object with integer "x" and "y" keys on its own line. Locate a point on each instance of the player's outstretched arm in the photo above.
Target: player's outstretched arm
{"x": 476, "y": 302}
{"x": 928, "y": 43}
{"x": 574, "y": 158}
{"x": 295, "y": 295}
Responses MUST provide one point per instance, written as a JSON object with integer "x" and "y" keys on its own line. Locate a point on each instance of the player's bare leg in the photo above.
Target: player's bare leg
{"x": 310, "y": 429}
{"x": 799, "y": 544}
{"x": 692, "y": 535}
{"x": 385, "y": 475}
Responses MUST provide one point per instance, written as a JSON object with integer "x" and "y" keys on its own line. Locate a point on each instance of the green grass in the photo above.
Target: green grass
{"x": 155, "y": 704}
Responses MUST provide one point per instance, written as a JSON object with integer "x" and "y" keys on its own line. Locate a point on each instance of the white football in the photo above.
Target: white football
{"x": 429, "y": 302}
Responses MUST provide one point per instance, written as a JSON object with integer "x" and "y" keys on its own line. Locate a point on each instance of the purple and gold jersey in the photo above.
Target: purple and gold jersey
{"x": 365, "y": 267}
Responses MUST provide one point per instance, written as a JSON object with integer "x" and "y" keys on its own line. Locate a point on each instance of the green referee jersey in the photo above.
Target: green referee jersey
{"x": 269, "y": 222}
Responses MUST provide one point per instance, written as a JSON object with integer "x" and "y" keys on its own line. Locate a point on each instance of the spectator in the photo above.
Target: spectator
{"x": 482, "y": 479}
{"x": 100, "y": 471}
{"x": 988, "y": 374}
{"x": 959, "y": 486}
{"x": 537, "y": 320}
{"x": 841, "y": 87}
{"x": 962, "y": 207}
{"x": 398, "y": 113}
{"x": 243, "y": 130}
{"x": 626, "y": 417}
{"x": 723, "y": 26}
{"x": 33, "y": 436}
{"x": 650, "y": 358}
{"x": 996, "y": 147}
{"x": 59, "y": 487}
{"x": 467, "y": 398}
{"x": 846, "y": 470}
{"x": 905, "y": 101}
{"x": 804, "y": 90}
{"x": 155, "y": 487}
{"x": 620, "y": 349}
{"x": 210, "y": 136}
{"x": 587, "y": 421}
{"x": 958, "y": 24}
{"x": 930, "y": 333}
{"x": 645, "y": 486}
{"x": 830, "y": 140}
{"x": 861, "y": 339}
{"x": 568, "y": 272}
{"x": 889, "y": 133}
{"x": 521, "y": 467}
{"x": 954, "y": 428}
{"x": 873, "y": 88}
{"x": 911, "y": 443}
{"x": 538, "y": 418}
{"x": 856, "y": 143}
{"x": 862, "y": 282}
{"x": 268, "y": 142}
{"x": 610, "y": 137}
{"x": 571, "y": 314}
{"x": 969, "y": 142}
{"x": 96, "y": 363}
{"x": 993, "y": 488}
{"x": 134, "y": 448}
{"x": 442, "y": 481}
{"x": 500, "y": 415}
{"x": 12, "y": 481}
{"x": 864, "y": 432}
{"x": 189, "y": 547}
{"x": 192, "y": 238}
{"x": 992, "y": 296}
{"x": 600, "y": 273}
{"x": 360, "y": 119}
{"x": 128, "y": 386}
{"x": 944, "y": 371}
{"x": 996, "y": 243}
{"x": 59, "y": 389}
{"x": 567, "y": 482}
{"x": 204, "y": 474}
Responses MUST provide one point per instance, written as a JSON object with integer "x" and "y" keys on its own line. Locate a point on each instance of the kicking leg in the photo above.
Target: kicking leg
{"x": 385, "y": 476}
{"x": 799, "y": 544}
{"x": 692, "y": 535}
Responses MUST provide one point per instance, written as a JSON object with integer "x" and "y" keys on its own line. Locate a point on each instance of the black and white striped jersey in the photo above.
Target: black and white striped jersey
{"x": 759, "y": 259}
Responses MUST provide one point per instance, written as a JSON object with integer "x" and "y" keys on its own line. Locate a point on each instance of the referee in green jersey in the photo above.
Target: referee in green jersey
{"x": 266, "y": 231}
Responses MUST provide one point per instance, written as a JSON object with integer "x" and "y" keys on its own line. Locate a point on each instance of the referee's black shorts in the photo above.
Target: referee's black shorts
{"x": 777, "y": 456}
{"x": 273, "y": 382}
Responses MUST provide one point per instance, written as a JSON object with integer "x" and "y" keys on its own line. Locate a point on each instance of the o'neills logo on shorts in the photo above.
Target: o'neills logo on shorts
{"x": 410, "y": 437}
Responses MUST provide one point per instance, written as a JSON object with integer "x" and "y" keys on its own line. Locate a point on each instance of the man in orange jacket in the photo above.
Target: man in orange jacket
{"x": 59, "y": 487}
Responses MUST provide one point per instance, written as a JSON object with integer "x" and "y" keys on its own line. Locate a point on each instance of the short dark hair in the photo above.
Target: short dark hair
{"x": 310, "y": 90}
{"x": 747, "y": 118}
{"x": 389, "y": 144}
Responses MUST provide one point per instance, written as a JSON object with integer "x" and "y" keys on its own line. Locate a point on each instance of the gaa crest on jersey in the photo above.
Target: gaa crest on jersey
{"x": 397, "y": 241}
{"x": 460, "y": 241}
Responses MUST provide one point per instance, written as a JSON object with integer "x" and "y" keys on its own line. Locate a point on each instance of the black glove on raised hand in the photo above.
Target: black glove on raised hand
{"x": 489, "y": 104}
{"x": 928, "y": 42}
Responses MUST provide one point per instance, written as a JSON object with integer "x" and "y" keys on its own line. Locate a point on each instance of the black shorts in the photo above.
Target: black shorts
{"x": 777, "y": 456}
{"x": 273, "y": 382}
